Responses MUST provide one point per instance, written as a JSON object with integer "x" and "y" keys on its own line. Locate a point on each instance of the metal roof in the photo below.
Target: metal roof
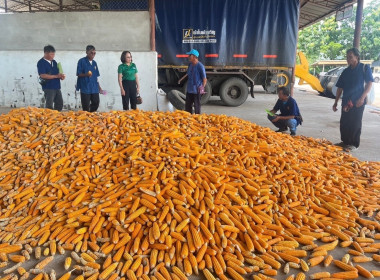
{"x": 312, "y": 11}
{"x": 22, "y": 6}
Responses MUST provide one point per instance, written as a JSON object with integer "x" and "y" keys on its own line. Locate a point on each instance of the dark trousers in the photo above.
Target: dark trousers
{"x": 90, "y": 102}
{"x": 193, "y": 98}
{"x": 130, "y": 90}
{"x": 351, "y": 126}
{"x": 53, "y": 96}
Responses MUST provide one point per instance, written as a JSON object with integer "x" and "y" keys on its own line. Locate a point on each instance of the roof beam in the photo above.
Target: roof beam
{"x": 29, "y": 6}
{"x": 83, "y": 4}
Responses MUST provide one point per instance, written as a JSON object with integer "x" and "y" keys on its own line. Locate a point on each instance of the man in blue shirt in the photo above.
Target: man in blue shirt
{"x": 290, "y": 114}
{"x": 351, "y": 84}
{"x": 87, "y": 82}
{"x": 50, "y": 79}
{"x": 196, "y": 74}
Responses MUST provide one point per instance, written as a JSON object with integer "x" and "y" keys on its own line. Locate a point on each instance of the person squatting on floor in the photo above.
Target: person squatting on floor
{"x": 50, "y": 79}
{"x": 88, "y": 80}
{"x": 355, "y": 83}
{"x": 290, "y": 116}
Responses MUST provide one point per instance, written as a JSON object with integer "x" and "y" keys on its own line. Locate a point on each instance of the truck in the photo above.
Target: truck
{"x": 242, "y": 43}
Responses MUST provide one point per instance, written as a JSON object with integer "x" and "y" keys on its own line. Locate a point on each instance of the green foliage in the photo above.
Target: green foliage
{"x": 329, "y": 39}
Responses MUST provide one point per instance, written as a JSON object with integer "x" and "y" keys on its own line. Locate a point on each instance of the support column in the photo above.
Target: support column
{"x": 6, "y": 6}
{"x": 152, "y": 25}
{"x": 293, "y": 80}
{"x": 358, "y": 24}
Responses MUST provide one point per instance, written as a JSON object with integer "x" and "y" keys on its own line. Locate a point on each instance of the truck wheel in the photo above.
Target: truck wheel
{"x": 177, "y": 99}
{"x": 281, "y": 79}
{"x": 205, "y": 97}
{"x": 233, "y": 92}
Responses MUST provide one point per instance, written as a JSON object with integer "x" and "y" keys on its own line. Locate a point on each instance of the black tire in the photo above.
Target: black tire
{"x": 205, "y": 97}
{"x": 177, "y": 99}
{"x": 233, "y": 92}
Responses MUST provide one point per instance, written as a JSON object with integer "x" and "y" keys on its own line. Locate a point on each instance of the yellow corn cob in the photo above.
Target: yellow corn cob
{"x": 360, "y": 259}
{"x": 87, "y": 257}
{"x": 234, "y": 275}
{"x": 65, "y": 276}
{"x": 108, "y": 271}
{"x": 131, "y": 275}
{"x": 179, "y": 273}
{"x": 328, "y": 260}
{"x": 21, "y": 271}
{"x": 346, "y": 258}
{"x": 53, "y": 247}
{"x": 345, "y": 244}
{"x": 272, "y": 262}
{"x": 364, "y": 272}
{"x": 304, "y": 266}
{"x": 10, "y": 249}
{"x": 93, "y": 276}
{"x": 315, "y": 260}
{"x": 40, "y": 276}
{"x": 17, "y": 258}
{"x": 269, "y": 272}
{"x": 346, "y": 274}
{"x": 44, "y": 262}
{"x": 343, "y": 265}
{"x": 320, "y": 275}
{"x": 67, "y": 263}
{"x": 300, "y": 276}
{"x": 46, "y": 252}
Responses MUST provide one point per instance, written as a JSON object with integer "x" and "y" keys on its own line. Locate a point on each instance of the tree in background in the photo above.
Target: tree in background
{"x": 329, "y": 39}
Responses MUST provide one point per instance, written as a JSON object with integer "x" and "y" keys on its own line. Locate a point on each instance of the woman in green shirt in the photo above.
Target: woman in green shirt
{"x": 128, "y": 80}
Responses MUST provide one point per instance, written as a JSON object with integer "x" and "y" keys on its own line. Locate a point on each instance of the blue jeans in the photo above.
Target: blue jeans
{"x": 284, "y": 124}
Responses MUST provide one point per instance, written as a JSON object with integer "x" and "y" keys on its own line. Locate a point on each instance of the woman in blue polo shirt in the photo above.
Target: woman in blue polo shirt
{"x": 128, "y": 80}
{"x": 87, "y": 83}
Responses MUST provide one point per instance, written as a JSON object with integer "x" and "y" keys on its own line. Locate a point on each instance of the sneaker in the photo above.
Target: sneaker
{"x": 341, "y": 144}
{"x": 350, "y": 148}
{"x": 282, "y": 130}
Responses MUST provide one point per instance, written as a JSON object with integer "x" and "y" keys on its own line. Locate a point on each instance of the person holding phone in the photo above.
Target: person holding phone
{"x": 290, "y": 116}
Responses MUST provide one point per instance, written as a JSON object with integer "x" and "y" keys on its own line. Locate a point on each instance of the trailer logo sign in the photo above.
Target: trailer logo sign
{"x": 198, "y": 36}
